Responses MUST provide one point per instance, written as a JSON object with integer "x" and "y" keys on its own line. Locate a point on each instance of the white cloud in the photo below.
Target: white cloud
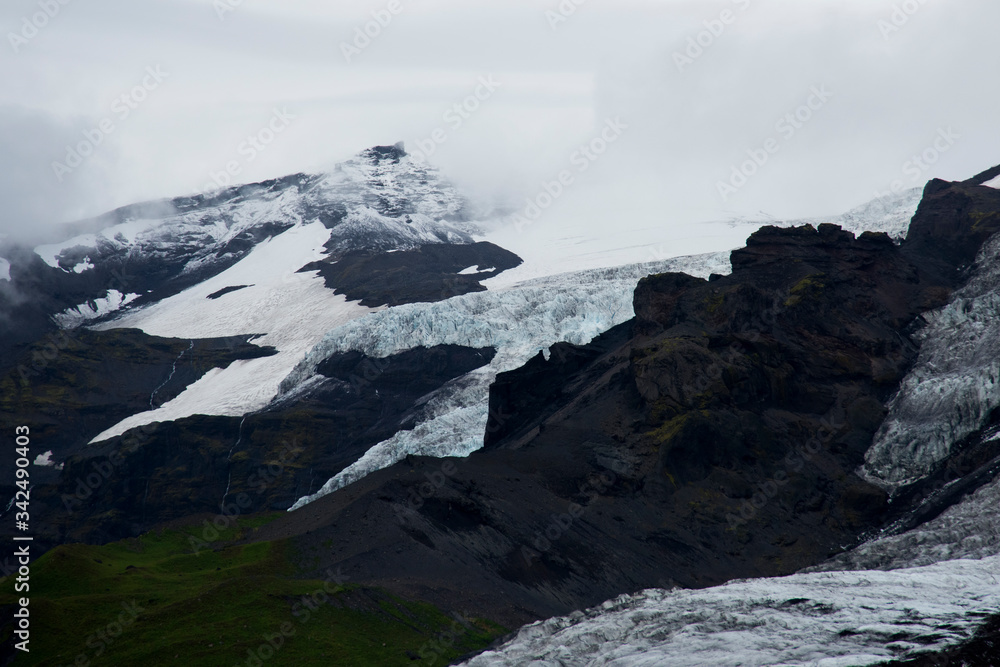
{"x": 608, "y": 59}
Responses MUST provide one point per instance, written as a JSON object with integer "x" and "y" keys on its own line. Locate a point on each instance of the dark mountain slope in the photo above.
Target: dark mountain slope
{"x": 716, "y": 436}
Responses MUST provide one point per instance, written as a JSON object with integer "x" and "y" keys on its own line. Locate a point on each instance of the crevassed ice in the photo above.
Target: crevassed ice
{"x": 953, "y": 386}
{"x": 826, "y": 619}
{"x": 519, "y": 322}
{"x": 970, "y": 529}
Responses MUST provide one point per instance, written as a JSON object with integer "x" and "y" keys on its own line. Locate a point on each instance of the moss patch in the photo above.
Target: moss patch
{"x": 150, "y": 600}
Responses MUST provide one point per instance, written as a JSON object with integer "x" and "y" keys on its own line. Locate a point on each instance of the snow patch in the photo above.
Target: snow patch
{"x": 995, "y": 183}
{"x": 4, "y": 269}
{"x": 45, "y": 460}
{"x": 112, "y": 302}
{"x": 85, "y": 265}
{"x": 50, "y": 253}
{"x": 292, "y": 310}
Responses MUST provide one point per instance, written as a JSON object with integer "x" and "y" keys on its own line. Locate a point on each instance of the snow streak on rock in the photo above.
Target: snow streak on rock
{"x": 954, "y": 385}
{"x": 92, "y": 310}
{"x": 826, "y": 619}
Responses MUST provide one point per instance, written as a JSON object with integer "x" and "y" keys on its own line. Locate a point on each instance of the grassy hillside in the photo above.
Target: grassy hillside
{"x": 154, "y": 601}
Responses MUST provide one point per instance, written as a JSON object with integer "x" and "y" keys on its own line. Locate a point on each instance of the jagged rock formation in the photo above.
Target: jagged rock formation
{"x": 715, "y": 436}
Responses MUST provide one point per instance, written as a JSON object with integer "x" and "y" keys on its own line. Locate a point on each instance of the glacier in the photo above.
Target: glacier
{"x": 822, "y": 619}
{"x": 289, "y": 311}
{"x": 952, "y": 388}
{"x": 380, "y": 200}
{"x": 967, "y": 530}
{"x": 520, "y": 320}
{"x": 896, "y": 596}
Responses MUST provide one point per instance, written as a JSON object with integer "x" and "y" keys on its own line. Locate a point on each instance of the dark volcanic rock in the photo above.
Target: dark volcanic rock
{"x": 716, "y": 436}
{"x": 70, "y": 387}
{"x": 163, "y": 472}
{"x": 227, "y": 290}
{"x": 426, "y": 274}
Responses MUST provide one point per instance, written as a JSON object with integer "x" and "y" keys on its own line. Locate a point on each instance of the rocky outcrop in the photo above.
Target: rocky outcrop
{"x": 431, "y": 272}
{"x": 716, "y": 436}
{"x": 124, "y": 486}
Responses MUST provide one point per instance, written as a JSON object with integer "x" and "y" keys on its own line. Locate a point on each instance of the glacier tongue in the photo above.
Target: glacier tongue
{"x": 825, "y": 619}
{"x": 970, "y": 529}
{"x": 952, "y": 388}
{"x": 895, "y": 597}
{"x": 520, "y": 318}
{"x": 519, "y": 322}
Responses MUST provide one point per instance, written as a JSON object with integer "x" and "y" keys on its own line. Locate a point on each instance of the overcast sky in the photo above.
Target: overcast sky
{"x": 887, "y": 81}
